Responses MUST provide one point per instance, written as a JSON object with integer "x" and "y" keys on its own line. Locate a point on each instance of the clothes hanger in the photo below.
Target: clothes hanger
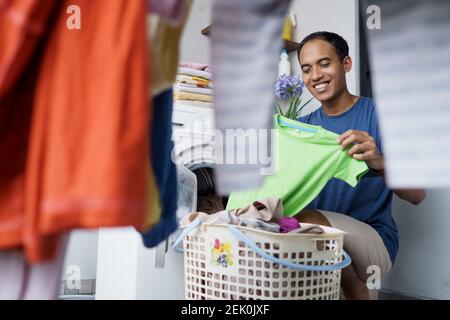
{"x": 296, "y": 127}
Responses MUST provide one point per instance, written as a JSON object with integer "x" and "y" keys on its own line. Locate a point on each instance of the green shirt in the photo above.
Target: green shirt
{"x": 306, "y": 162}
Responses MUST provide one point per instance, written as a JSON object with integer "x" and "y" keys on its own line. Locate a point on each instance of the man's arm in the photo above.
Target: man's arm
{"x": 365, "y": 148}
{"x": 414, "y": 196}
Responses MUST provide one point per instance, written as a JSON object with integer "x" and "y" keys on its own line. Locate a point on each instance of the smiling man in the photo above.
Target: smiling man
{"x": 364, "y": 212}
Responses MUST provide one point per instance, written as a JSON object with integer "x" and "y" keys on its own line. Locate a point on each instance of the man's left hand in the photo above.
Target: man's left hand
{"x": 364, "y": 148}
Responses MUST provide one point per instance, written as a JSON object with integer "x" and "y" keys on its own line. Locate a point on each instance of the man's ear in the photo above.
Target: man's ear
{"x": 347, "y": 62}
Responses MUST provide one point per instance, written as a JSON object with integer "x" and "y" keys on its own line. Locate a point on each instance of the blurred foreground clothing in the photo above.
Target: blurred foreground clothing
{"x": 164, "y": 168}
{"x": 21, "y": 281}
{"x": 246, "y": 42}
{"x": 164, "y": 39}
{"x": 411, "y": 85}
{"x": 74, "y": 121}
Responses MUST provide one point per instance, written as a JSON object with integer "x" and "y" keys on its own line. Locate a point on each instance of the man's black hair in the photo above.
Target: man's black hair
{"x": 334, "y": 39}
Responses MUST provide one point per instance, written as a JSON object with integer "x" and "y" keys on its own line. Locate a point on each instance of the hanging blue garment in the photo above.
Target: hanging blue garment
{"x": 164, "y": 169}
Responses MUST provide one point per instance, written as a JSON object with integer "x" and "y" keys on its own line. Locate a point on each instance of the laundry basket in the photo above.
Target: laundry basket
{"x": 238, "y": 263}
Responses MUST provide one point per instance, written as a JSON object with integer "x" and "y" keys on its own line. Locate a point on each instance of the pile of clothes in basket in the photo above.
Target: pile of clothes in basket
{"x": 264, "y": 214}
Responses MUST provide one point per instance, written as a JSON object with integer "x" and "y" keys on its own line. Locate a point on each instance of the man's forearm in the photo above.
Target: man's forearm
{"x": 414, "y": 196}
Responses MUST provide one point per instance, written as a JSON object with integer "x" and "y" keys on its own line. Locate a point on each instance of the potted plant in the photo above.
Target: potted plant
{"x": 290, "y": 89}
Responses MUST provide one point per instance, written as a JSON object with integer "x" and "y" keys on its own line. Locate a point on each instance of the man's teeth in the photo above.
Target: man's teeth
{"x": 321, "y": 86}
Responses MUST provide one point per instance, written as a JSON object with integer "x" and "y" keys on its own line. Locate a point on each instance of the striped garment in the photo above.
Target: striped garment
{"x": 410, "y": 55}
{"x": 246, "y": 43}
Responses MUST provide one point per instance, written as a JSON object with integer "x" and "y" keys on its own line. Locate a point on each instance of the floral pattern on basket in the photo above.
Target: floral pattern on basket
{"x": 221, "y": 254}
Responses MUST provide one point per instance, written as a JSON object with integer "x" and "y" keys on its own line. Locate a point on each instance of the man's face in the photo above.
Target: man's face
{"x": 322, "y": 70}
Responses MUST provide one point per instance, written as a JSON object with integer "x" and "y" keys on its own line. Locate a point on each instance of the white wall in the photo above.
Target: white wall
{"x": 422, "y": 267}
{"x": 328, "y": 15}
{"x": 82, "y": 252}
{"x": 195, "y": 47}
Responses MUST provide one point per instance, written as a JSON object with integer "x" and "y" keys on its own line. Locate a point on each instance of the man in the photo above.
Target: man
{"x": 364, "y": 212}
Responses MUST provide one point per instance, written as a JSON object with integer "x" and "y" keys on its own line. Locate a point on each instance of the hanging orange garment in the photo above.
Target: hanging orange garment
{"x": 87, "y": 162}
{"x": 23, "y": 26}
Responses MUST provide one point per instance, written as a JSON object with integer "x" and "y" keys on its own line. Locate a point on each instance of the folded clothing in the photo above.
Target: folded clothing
{"x": 195, "y": 103}
{"x": 197, "y": 81}
{"x": 194, "y": 65}
{"x": 193, "y": 89}
{"x": 195, "y": 73}
{"x": 187, "y": 85}
{"x": 181, "y": 95}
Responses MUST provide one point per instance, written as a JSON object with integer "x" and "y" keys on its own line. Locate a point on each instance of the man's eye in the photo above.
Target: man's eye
{"x": 324, "y": 65}
{"x": 306, "y": 70}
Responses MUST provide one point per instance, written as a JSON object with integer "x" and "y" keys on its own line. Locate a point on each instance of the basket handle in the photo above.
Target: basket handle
{"x": 249, "y": 242}
{"x": 193, "y": 225}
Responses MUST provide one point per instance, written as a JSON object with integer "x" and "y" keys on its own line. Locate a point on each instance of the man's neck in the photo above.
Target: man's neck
{"x": 339, "y": 105}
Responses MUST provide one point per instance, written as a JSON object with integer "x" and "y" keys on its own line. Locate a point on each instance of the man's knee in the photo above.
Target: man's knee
{"x": 312, "y": 216}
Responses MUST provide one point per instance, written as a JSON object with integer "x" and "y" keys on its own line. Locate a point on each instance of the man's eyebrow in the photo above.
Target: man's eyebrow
{"x": 327, "y": 59}
{"x": 324, "y": 59}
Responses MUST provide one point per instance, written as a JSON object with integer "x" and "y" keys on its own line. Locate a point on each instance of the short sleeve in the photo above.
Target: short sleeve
{"x": 375, "y": 129}
{"x": 351, "y": 171}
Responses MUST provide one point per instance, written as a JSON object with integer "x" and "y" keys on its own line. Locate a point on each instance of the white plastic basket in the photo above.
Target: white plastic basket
{"x": 234, "y": 263}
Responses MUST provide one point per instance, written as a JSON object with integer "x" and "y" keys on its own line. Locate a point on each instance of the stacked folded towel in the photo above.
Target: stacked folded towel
{"x": 194, "y": 84}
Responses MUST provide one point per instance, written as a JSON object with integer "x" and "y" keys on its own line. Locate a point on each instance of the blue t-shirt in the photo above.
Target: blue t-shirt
{"x": 371, "y": 200}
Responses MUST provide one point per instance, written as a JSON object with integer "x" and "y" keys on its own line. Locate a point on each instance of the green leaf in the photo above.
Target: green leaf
{"x": 280, "y": 111}
{"x": 307, "y": 102}
{"x": 294, "y": 109}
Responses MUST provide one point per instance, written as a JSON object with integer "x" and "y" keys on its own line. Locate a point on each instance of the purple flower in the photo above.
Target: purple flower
{"x": 288, "y": 87}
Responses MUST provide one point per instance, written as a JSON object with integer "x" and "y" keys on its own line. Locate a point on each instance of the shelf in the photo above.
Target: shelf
{"x": 288, "y": 44}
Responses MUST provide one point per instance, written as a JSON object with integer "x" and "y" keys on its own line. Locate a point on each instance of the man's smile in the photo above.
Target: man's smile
{"x": 321, "y": 87}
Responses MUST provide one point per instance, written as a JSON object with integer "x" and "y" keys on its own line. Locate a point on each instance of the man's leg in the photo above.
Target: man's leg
{"x": 353, "y": 286}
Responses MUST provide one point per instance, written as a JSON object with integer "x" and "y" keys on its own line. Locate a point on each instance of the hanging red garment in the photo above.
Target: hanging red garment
{"x": 22, "y": 25}
{"x": 86, "y": 164}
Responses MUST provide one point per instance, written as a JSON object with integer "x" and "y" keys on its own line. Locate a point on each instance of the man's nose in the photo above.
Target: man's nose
{"x": 316, "y": 75}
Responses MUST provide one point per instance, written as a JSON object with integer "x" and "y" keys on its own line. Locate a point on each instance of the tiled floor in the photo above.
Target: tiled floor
{"x": 88, "y": 288}
{"x": 392, "y": 295}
